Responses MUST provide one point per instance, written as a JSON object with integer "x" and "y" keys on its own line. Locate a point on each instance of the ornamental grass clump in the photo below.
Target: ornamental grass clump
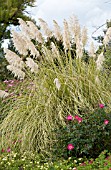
{"x": 61, "y": 83}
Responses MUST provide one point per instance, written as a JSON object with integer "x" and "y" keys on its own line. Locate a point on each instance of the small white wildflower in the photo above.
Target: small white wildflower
{"x": 75, "y": 161}
{"x": 4, "y": 159}
{"x": 3, "y": 94}
{"x": 57, "y": 83}
{"x": 80, "y": 159}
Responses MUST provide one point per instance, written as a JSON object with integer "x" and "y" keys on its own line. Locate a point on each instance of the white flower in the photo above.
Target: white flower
{"x": 57, "y": 83}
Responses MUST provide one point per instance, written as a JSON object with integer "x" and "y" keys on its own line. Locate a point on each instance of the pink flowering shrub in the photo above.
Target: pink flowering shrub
{"x": 85, "y": 135}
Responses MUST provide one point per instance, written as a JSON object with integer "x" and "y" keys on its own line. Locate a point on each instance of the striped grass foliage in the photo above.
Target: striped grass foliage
{"x": 44, "y": 103}
{"x": 42, "y": 107}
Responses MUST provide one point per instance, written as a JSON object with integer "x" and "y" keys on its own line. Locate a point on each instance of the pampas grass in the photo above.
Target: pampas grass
{"x": 44, "y": 102}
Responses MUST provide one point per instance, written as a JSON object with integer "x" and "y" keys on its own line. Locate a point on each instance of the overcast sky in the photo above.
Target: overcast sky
{"x": 91, "y": 13}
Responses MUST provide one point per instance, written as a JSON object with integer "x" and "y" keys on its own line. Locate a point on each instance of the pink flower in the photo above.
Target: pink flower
{"x": 8, "y": 149}
{"x": 83, "y": 164}
{"x": 70, "y": 146}
{"x": 10, "y": 85}
{"x": 106, "y": 122}
{"x": 2, "y": 150}
{"x": 76, "y": 117}
{"x": 5, "y": 81}
{"x": 69, "y": 117}
{"x": 101, "y": 105}
{"x": 91, "y": 161}
{"x": 79, "y": 119}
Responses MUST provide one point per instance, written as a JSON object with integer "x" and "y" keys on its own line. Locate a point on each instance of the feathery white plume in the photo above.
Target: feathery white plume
{"x": 57, "y": 31}
{"x": 57, "y": 83}
{"x": 16, "y": 71}
{"x": 107, "y": 37}
{"x": 3, "y": 94}
{"x": 99, "y": 61}
{"x": 32, "y": 65}
{"x": 84, "y": 36}
{"x": 19, "y": 43}
{"x": 75, "y": 28}
{"x": 45, "y": 28}
{"x": 92, "y": 50}
{"x": 35, "y": 33}
{"x": 66, "y": 36}
{"x": 54, "y": 50}
{"x": 13, "y": 59}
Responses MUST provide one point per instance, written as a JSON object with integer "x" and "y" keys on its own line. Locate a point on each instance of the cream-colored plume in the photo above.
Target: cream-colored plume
{"x": 13, "y": 59}
{"x": 66, "y": 36}
{"x": 16, "y": 71}
{"x": 57, "y": 31}
{"x": 55, "y": 51}
{"x": 24, "y": 28}
{"x": 84, "y": 36}
{"x": 57, "y": 83}
{"x": 75, "y": 28}
{"x": 35, "y": 33}
{"x": 107, "y": 37}
{"x": 20, "y": 43}
{"x": 92, "y": 50}
{"x": 45, "y": 28}
{"x": 32, "y": 65}
{"x": 3, "y": 94}
{"x": 99, "y": 61}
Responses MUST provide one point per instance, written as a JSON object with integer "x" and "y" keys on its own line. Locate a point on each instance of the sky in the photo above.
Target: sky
{"x": 91, "y": 13}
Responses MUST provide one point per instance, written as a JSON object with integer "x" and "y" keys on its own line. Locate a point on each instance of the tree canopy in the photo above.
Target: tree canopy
{"x": 10, "y": 10}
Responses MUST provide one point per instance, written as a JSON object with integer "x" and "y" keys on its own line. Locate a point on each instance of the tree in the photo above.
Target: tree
{"x": 10, "y": 10}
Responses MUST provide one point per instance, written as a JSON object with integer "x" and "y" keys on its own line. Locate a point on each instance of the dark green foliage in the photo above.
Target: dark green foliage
{"x": 10, "y": 10}
{"x": 89, "y": 137}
